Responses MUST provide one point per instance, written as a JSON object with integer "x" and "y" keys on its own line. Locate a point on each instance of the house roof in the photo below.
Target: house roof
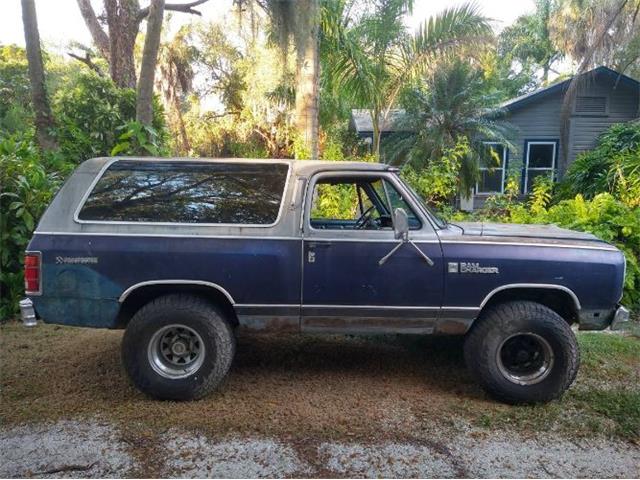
{"x": 523, "y": 100}
{"x": 361, "y": 121}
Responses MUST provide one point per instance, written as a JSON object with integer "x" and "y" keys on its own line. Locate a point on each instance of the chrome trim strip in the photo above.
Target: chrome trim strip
{"x": 169, "y": 235}
{"x": 385, "y": 307}
{"x": 517, "y": 244}
{"x": 461, "y": 308}
{"x": 86, "y": 195}
{"x": 38, "y": 292}
{"x": 532, "y": 285}
{"x": 261, "y": 305}
{"x": 319, "y": 239}
{"x": 128, "y": 291}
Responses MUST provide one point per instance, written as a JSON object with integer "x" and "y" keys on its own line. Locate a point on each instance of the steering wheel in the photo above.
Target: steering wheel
{"x": 364, "y": 219}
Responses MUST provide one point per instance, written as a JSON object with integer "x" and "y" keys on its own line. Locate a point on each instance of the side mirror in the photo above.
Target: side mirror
{"x": 401, "y": 224}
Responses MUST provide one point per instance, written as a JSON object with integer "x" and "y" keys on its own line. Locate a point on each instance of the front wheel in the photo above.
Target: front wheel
{"x": 522, "y": 352}
{"x": 178, "y": 347}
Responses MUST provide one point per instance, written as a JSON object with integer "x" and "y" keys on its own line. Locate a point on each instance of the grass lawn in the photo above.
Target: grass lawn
{"x": 389, "y": 388}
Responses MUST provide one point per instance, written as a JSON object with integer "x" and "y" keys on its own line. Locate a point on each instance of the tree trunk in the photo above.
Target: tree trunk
{"x": 100, "y": 38}
{"x": 43, "y": 117}
{"x": 123, "y": 22}
{"x": 144, "y": 99}
{"x": 308, "y": 71}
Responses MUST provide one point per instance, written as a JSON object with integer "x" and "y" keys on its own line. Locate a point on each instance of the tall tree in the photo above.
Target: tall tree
{"x": 175, "y": 79}
{"x": 528, "y": 41}
{"x": 450, "y": 107}
{"x": 593, "y": 33}
{"x": 41, "y": 108}
{"x": 378, "y": 58}
{"x": 297, "y": 23}
{"x": 144, "y": 97}
{"x": 123, "y": 18}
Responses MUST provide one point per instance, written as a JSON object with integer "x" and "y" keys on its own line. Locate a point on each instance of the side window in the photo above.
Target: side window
{"x": 356, "y": 203}
{"x": 187, "y": 192}
{"x": 397, "y": 201}
{"x": 541, "y": 158}
{"x": 491, "y": 169}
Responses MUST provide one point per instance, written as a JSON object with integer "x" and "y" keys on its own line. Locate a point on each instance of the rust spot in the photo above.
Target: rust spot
{"x": 269, "y": 324}
{"x": 451, "y": 326}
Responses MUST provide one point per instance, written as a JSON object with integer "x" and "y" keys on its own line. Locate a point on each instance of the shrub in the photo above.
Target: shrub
{"x": 28, "y": 181}
{"x": 89, "y": 113}
{"x": 613, "y": 166}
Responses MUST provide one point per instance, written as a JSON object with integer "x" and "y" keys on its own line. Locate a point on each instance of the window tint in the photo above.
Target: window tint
{"x": 188, "y": 192}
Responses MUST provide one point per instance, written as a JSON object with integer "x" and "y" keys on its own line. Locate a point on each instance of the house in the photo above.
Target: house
{"x": 603, "y": 97}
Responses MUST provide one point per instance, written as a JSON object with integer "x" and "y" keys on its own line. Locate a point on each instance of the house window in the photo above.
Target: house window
{"x": 591, "y": 105}
{"x": 491, "y": 172}
{"x": 540, "y": 160}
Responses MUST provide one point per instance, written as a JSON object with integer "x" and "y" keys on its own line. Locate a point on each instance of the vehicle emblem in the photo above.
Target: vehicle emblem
{"x": 471, "y": 267}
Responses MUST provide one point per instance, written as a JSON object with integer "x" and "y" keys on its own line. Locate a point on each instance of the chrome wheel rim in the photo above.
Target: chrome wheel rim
{"x": 176, "y": 351}
{"x": 525, "y": 358}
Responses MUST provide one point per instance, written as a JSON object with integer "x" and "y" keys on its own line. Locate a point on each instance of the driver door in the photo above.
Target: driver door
{"x": 348, "y": 228}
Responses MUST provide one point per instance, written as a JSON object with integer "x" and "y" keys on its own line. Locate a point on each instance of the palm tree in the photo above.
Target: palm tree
{"x": 377, "y": 58}
{"x": 451, "y": 107}
{"x": 592, "y": 33}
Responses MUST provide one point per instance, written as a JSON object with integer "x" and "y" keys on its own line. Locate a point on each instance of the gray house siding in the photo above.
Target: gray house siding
{"x": 539, "y": 120}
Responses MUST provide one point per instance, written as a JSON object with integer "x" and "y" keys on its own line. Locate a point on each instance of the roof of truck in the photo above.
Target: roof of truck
{"x": 301, "y": 166}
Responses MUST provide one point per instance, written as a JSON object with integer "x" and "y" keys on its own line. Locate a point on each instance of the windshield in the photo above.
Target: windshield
{"x": 440, "y": 223}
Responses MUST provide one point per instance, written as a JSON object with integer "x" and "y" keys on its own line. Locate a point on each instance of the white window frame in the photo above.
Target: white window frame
{"x": 551, "y": 169}
{"x": 502, "y": 167}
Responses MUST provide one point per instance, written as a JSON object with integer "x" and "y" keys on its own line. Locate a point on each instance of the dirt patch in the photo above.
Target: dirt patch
{"x": 333, "y": 388}
{"x": 64, "y": 449}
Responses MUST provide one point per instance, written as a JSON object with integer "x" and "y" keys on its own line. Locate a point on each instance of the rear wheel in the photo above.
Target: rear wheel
{"x": 522, "y": 352}
{"x": 178, "y": 347}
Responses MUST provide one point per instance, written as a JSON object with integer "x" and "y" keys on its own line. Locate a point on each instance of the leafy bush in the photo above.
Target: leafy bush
{"x": 89, "y": 114}
{"x": 439, "y": 181}
{"x": 613, "y": 166}
{"x": 28, "y": 181}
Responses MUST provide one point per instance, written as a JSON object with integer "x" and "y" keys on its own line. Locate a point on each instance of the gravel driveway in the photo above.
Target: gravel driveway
{"x": 96, "y": 449}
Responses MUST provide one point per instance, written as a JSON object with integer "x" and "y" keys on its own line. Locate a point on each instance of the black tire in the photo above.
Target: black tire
{"x": 513, "y": 372}
{"x": 214, "y": 354}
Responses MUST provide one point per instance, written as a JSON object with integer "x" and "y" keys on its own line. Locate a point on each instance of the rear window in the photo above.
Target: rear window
{"x": 187, "y": 192}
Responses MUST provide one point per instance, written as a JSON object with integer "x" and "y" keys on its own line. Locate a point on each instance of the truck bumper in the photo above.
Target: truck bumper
{"x": 28, "y": 313}
{"x": 620, "y": 317}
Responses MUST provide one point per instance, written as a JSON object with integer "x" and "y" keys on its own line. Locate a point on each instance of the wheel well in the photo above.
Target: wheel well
{"x": 557, "y": 300}
{"x": 144, "y": 294}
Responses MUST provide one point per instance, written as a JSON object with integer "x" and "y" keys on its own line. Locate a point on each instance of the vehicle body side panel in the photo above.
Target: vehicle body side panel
{"x": 253, "y": 271}
{"x": 591, "y": 274}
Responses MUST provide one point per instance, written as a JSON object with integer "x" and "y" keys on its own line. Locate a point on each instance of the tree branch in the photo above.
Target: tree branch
{"x": 88, "y": 62}
{"x": 100, "y": 38}
{"x": 176, "y": 7}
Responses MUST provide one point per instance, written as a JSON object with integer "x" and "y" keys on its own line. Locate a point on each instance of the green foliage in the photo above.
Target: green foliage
{"x": 15, "y": 95}
{"x": 138, "y": 139}
{"x": 89, "y": 113}
{"x": 28, "y": 181}
{"x": 451, "y": 106}
{"x": 439, "y": 180}
{"x": 613, "y": 166}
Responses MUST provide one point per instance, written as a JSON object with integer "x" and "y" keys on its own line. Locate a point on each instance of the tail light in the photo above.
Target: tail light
{"x": 32, "y": 264}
